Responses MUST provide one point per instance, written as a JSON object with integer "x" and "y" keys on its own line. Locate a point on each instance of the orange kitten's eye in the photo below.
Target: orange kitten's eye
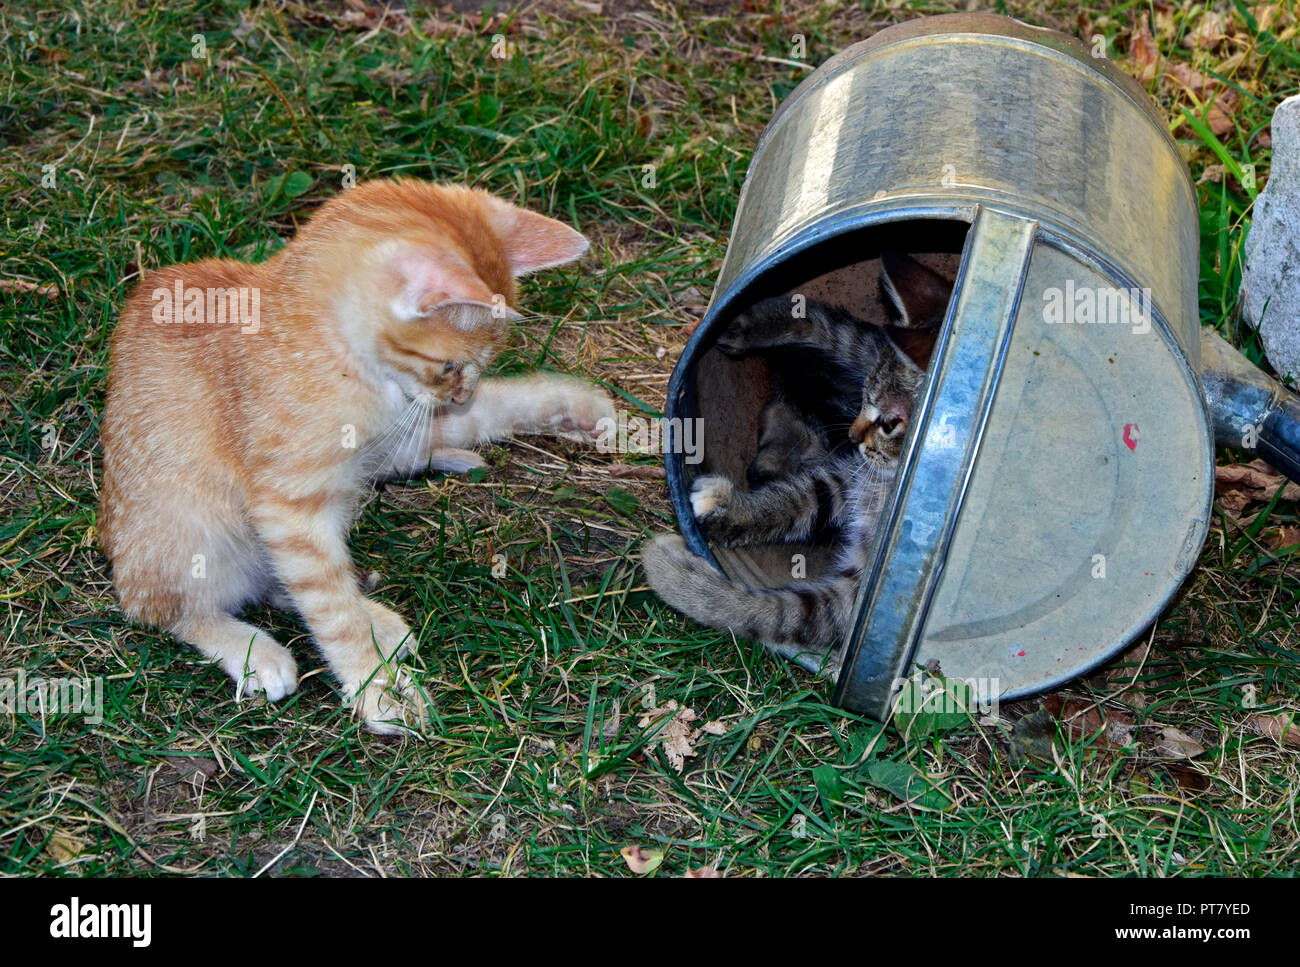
{"x": 449, "y": 367}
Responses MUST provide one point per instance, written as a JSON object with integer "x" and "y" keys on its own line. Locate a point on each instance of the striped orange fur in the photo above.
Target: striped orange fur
{"x": 249, "y": 406}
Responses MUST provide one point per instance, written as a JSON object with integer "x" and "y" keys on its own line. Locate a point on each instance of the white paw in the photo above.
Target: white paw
{"x": 710, "y": 495}
{"x": 576, "y": 409}
{"x": 452, "y": 460}
{"x": 388, "y": 707}
{"x": 267, "y": 669}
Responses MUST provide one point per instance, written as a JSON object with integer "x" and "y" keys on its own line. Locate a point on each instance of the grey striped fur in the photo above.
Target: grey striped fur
{"x": 806, "y": 485}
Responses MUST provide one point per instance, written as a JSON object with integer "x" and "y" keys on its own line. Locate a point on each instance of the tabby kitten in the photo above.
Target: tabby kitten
{"x": 236, "y": 456}
{"x": 806, "y": 485}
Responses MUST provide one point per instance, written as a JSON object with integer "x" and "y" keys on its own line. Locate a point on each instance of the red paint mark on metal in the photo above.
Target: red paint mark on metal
{"x": 1131, "y": 435}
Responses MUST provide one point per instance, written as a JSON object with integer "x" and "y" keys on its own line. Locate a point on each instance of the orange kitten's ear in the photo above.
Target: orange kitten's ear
{"x": 424, "y": 279}
{"x": 532, "y": 241}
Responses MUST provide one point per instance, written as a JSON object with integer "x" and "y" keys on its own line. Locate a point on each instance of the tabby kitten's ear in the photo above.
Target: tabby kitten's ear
{"x": 530, "y": 241}
{"x": 916, "y": 294}
{"x": 425, "y": 279}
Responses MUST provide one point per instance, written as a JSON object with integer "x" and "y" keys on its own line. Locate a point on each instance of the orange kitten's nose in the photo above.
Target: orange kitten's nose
{"x": 858, "y": 431}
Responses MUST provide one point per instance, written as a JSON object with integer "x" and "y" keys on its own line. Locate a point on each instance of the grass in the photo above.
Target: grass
{"x": 122, "y": 151}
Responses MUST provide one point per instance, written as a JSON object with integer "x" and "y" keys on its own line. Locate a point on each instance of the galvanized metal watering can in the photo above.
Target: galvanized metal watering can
{"x": 1056, "y": 481}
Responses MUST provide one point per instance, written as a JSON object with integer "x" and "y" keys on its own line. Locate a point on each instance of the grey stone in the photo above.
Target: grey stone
{"x": 1270, "y": 282}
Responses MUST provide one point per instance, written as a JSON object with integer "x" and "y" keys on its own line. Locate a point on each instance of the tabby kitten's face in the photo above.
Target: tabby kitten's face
{"x": 887, "y": 395}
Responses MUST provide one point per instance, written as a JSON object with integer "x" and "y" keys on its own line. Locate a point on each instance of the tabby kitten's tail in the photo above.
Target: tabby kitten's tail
{"x": 813, "y": 614}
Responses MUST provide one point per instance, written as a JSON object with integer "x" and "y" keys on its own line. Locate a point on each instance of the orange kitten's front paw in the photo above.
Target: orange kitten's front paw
{"x": 268, "y": 669}
{"x": 575, "y": 409}
{"x": 394, "y": 636}
{"x": 390, "y": 708}
{"x": 382, "y": 693}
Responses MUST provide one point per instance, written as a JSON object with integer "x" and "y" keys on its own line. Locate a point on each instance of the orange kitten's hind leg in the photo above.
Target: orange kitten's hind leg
{"x": 257, "y": 662}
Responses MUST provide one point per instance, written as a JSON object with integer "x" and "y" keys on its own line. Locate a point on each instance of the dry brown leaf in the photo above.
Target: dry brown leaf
{"x": 1191, "y": 81}
{"x": 1174, "y": 744}
{"x": 1143, "y": 52}
{"x": 702, "y": 873}
{"x": 1213, "y": 175}
{"x": 623, "y": 470}
{"x": 435, "y": 26}
{"x": 1239, "y": 484}
{"x": 63, "y": 847}
{"x": 1125, "y": 670}
{"x": 1210, "y": 31}
{"x": 1280, "y": 728}
{"x": 1188, "y": 779}
{"x": 189, "y": 766}
{"x": 22, "y": 285}
{"x": 678, "y": 736}
{"x": 612, "y": 724}
{"x": 1083, "y": 721}
{"x": 1282, "y": 537}
{"x": 1223, "y": 109}
{"x": 1265, "y": 14}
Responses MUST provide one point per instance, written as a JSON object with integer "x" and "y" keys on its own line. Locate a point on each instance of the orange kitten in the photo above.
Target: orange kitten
{"x": 250, "y": 405}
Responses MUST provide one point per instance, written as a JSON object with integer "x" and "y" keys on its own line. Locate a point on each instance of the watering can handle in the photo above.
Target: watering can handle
{"x": 1250, "y": 410}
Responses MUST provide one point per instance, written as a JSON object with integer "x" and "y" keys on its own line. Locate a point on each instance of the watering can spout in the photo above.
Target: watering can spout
{"x": 1250, "y": 410}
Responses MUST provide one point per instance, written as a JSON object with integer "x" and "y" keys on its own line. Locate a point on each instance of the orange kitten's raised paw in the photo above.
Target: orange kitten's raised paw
{"x": 573, "y": 409}
{"x": 452, "y": 460}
